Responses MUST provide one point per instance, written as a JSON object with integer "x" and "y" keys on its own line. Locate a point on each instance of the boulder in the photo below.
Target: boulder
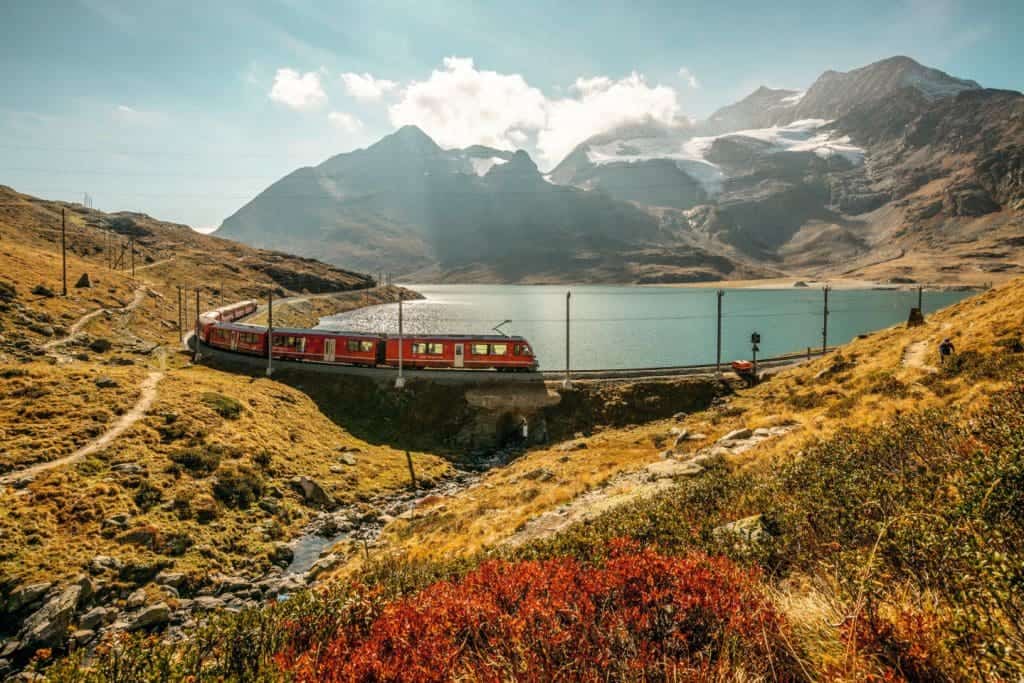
{"x": 49, "y": 625}
{"x": 26, "y": 595}
{"x": 325, "y": 563}
{"x": 39, "y": 328}
{"x": 83, "y": 281}
{"x": 43, "y": 290}
{"x": 104, "y": 563}
{"x": 745, "y": 532}
{"x": 347, "y": 459}
{"x": 149, "y": 617}
{"x": 207, "y": 603}
{"x": 136, "y": 599}
{"x": 737, "y": 435}
{"x": 97, "y": 616}
{"x": 312, "y": 493}
{"x": 281, "y": 554}
{"x": 100, "y": 345}
{"x": 174, "y": 579}
{"x": 106, "y": 382}
{"x": 668, "y": 469}
{"x": 83, "y": 636}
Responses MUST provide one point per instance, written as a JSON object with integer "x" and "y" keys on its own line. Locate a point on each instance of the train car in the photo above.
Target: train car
{"x": 239, "y": 338}
{"x": 328, "y": 347}
{"x": 233, "y": 312}
{"x": 496, "y": 352}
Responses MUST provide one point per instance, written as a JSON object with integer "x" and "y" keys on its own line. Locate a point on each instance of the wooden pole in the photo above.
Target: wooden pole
{"x": 195, "y": 340}
{"x": 180, "y": 330}
{"x": 63, "y": 252}
{"x": 131, "y": 247}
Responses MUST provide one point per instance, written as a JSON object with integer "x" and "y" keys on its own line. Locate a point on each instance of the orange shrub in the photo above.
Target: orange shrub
{"x": 638, "y": 616}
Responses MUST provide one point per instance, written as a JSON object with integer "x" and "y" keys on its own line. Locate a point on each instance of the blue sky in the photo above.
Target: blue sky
{"x": 186, "y": 110}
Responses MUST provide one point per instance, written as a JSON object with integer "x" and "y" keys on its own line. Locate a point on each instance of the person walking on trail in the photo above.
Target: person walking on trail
{"x": 945, "y": 350}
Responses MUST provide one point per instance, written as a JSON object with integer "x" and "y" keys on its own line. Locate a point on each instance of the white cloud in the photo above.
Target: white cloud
{"x": 460, "y": 105}
{"x": 689, "y": 77}
{"x": 344, "y": 121}
{"x": 127, "y": 115}
{"x": 365, "y": 86}
{"x": 298, "y": 91}
{"x": 602, "y": 104}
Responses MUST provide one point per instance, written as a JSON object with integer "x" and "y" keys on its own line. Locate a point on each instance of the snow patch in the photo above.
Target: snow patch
{"x": 793, "y": 99}
{"x": 482, "y": 166}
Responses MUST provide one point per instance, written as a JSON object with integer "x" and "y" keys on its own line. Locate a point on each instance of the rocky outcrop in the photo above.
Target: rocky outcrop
{"x": 312, "y": 493}
{"x": 49, "y": 625}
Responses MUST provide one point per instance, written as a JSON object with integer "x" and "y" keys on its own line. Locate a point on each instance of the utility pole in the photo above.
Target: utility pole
{"x": 412, "y": 472}
{"x": 131, "y": 247}
{"x": 824, "y": 325}
{"x": 195, "y": 339}
{"x": 568, "y": 376}
{"x": 270, "y": 332}
{"x": 63, "y": 252}
{"x": 920, "y": 299}
{"x": 718, "y": 335}
{"x": 400, "y": 381}
{"x": 180, "y": 331}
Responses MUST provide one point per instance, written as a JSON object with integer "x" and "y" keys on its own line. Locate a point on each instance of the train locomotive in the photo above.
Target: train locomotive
{"x": 219, "y": 329}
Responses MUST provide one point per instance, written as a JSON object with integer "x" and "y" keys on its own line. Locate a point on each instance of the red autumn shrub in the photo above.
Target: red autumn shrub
{"x": 640, "y": 615}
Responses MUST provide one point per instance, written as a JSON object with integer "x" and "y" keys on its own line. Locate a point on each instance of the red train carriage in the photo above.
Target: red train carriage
{"x": 462, "y": 351}
{"x": 240, "y": 338}
{"x": 328, "y": 347}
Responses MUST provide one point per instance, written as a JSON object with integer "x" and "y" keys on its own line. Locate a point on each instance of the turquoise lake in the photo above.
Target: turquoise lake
{"x": 615, "y": 327}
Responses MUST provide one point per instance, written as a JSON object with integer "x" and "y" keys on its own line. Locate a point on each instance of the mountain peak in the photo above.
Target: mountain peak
{"x": 408, "y": 139}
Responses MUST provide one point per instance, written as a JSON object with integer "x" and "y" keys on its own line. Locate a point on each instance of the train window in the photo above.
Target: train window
{"x": 499, "y": 349}
{"x": 220, "y": 335}
{"x": 366, "y": 346}
{"x": 523, "y": 350}
{"x": 435, "y": 349}
{"x": 419, "y": 347}
{"x": 248, "y": 338}
{"x": 290, "y": 342}
{"x": 353, "y": 345}
{"x": 478, "y": 349}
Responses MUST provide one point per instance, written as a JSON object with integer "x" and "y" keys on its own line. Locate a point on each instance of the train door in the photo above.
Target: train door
{"x": 459, "y": 356}
{"x": 329, "y": 350}
{"x": 234, "y": 340}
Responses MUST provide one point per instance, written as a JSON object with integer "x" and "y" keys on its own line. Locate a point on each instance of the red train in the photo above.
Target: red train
{"x": 225, "y": 314}
{"x": 483, "y": 352}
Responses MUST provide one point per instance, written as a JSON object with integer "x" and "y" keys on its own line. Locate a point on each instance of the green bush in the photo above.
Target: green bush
{"x": 203, "y": 459}
{"x": 237, "y": 486}
{"x": 225, "y": 406}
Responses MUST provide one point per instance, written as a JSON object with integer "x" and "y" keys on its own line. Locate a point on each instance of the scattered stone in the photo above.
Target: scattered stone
{"x": 668, "y": 469}
{"x": 118, "y": 521}
{"x": 540, "y": 474}
{"x": 737, "y": 435}
{"x": 127, "y": 467}
{"x": 762, "y": 432}
{"x": 82, "y": 636}
{"x": 43, "y": 290}
{"x": 174, "y": 579}
{"x": 100, "y": 345}
{"x": 25, "y": 596}
{"x": 232, "y": 584}
{"x": 667, "y": 454}
{"x": 93, "y": 618}
{"x": 103, "y": 563}
{"x": 347, "y": 458}
{"x": 697, "y": 436}
{"x": 148, "y": 617}
{"x": 281, "y": 554}
{"x": 749, "y": 531}
{"x": 325, "y": 563}
{"x": 269, "y": 505}
{"x": 170, "y": 591}
{"x": 83, "y": 281}
{"x": 207, "y": 603}
{"x": 311, "y": 492}
{"x": 39, "y": 328}
{"x": 48, "y": 626}
{"x": 336, "y": 469}
{"x": 136, "y": 599}
{"x": 106, "y": 382}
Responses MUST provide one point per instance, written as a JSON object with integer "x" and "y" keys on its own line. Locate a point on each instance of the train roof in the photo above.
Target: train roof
{"x": 246, "y": 327}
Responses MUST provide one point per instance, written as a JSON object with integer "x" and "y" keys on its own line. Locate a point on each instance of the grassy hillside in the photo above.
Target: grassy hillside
{"x": 872, "y": 531}
{"x": 159, "y": 464}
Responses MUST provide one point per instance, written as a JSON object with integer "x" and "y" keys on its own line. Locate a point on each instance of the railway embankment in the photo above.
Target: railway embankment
{"x": 306, "y": 311}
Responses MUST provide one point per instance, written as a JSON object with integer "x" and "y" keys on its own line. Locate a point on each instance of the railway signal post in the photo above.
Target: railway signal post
{"x": 755, "y": 341}
{"x": 400, "y": 381}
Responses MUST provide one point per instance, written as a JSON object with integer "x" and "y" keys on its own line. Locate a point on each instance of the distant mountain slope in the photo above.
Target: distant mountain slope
{"x": 404, "y": 204}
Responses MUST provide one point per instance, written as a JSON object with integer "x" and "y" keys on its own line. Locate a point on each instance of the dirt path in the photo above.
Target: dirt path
{"x": 146, "y": 398}
{"x": 916, "y": 356}
{"x": 79, "y": 325}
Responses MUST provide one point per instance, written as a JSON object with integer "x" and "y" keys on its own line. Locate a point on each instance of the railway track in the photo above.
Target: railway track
{"x": 447, "y": 376}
